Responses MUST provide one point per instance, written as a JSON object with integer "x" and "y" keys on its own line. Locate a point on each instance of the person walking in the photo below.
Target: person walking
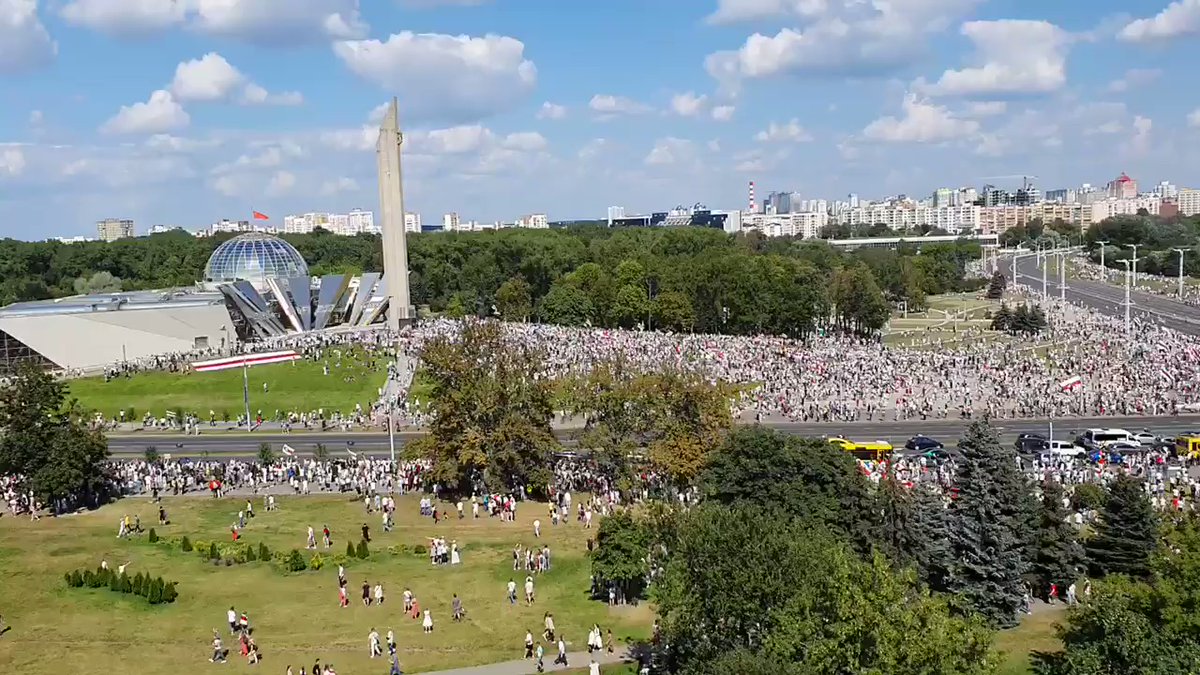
{"x": 427, "y": 623}
{"x": 562, "y": 652}
{"x": 373, "y": 641}
{"x": 528, "y": 645}
{"x": 218, "y": 655}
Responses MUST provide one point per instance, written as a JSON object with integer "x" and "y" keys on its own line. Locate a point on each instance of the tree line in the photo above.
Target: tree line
{"x": 1156, "y": 239}
{"x": 670, "y": 278}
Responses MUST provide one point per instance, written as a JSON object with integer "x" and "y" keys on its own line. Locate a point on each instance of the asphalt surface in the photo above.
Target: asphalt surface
{"x": 227, "y": 445}
{"x": 1107, "y": 298}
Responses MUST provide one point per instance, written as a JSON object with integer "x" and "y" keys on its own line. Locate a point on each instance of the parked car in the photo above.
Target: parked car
{"x": 1065, "y": 449}
{"x": 921, "y": 442}
{"x": 1030, "y": 443}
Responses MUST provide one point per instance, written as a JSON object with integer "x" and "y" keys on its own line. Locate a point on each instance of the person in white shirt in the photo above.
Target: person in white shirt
{"x": 232, "y": 616}
{"x": 593, "y": 668}
{"x": 373, "y": 640}
{"x": 379, "y": 594}
{"x": 528, "y": 590}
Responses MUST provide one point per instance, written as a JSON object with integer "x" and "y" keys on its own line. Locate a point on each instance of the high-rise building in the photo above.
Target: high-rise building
{"x": 412, "y": 222}
{"x": 1123, "y": 187}
{"x": 1166, "y": 190}
{"x": 225, "y": 225}
{"x": 450, "y": 222}
{"x": 944, "y": 197}
{"x": 535, "y": 221}
{"x": 361, "y": 222}
{"x": 1188, "y": 200}
{"x": 112, "y": 229}
{"x": 853, "y": 199}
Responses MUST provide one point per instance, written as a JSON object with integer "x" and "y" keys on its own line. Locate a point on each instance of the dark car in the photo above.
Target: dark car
{"x": 920, "y": 442}
{"x": 1030, "y": 443}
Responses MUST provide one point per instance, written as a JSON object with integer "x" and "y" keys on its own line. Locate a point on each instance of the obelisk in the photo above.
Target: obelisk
{"x": 391, "y": 212}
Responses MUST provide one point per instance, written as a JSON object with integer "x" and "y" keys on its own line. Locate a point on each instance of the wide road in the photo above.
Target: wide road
{"x": 228, "y": 445}
{"x": 1107, "y": 298}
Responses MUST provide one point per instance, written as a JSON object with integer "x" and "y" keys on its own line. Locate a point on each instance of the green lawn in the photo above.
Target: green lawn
{"x": 1035, "y": 634}
{"x": 300, "y": 386}
{"x": 296, "y": 616}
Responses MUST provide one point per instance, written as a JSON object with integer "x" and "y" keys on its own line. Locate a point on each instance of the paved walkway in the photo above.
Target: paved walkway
{"x": 576, "y": 660}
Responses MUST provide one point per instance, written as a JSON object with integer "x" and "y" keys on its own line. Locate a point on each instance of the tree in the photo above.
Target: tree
{"x": 915, "y": 530}
{"x": 266, "y": 454}
{"x": 1126, "y": 533}
{"x": 513, "y": 299}
{"x": 151, "y": 454}
{"x": 630, "y": 306}
{"x": 1059, "y": 556}
{"x": 690, "y": 418}
{"x": 801, "y": 477}
{"x": 566, "y": 305}
{"x": 859, "y": 302}
{"x": 99, "y": 282}
{"x": 673, "y": 311}
{"x": 320, "y": 452}
{"x": 989, "y": 535}
{"x": 621, "y": 554}
{"x": 751, "y": 582}
{"x": 491, "y": 413}
{"x": 43, "y": 440}
{"x": 996, "y": 286}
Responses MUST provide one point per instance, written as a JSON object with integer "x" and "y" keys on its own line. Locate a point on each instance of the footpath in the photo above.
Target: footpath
{"x": 576, "y": 661}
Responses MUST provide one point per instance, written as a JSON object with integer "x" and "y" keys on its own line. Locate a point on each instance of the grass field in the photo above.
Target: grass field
{"x": 299, "y": 386}
{"x": 1035, "y": 634}
{"x": 296, "y": 616}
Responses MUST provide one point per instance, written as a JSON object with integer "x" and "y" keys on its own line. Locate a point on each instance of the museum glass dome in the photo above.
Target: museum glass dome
{"x": 254, "y": 257}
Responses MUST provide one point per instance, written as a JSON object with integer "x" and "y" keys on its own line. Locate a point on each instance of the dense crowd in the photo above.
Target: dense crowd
{"x": 1156, "y": 284}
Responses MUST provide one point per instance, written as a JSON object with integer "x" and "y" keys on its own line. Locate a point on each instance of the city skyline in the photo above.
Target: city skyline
{"x": 514, "y": 111}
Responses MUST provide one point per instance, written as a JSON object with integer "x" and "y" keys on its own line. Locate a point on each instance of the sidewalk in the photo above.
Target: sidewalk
{"x": 577, "y": 660}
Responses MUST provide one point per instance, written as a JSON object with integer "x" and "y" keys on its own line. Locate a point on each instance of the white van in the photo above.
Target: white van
{"x": 1102, "y": 438}
{"x": 1065, "y": 449}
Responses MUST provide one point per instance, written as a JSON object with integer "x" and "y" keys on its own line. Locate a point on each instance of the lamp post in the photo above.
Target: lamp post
{"x": 1103, "y": 269}
{"x": 1180, "y": 252}
{"x": 1062, "y": 275}
{"x": 1126, "y": 263}
{"x": 1045, "y": 268}
{"x": 1135, "y": 248}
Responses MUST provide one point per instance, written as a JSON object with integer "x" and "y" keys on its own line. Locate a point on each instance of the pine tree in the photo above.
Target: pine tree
{"x": 1059, "y": 556}
{"x": 1002, "y": 321}
{"x": 1127, "y": 532}
{"x": 932, "y": 524}
{"x": 996, "y": 286}
{"x": 987, "y": 538}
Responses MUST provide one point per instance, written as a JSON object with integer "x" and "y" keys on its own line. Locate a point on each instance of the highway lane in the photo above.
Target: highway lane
{"x": 1108, "y": 298}
{"x": 243, "y": 445}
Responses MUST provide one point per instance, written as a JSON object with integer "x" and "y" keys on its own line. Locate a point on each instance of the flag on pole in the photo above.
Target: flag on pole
{"x": 260, "y": 216}
{"x": 1070, "y": 384}
{"x": 353, "y": 454}
{"x": 287, "y": 450}
{"x": 245, "y": 360}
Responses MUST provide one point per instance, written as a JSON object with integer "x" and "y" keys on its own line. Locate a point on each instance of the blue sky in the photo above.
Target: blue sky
{"x": 183, "y": 112}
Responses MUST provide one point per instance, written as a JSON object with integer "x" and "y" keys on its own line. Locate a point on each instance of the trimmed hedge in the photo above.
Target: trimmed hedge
{"x": 153, "y": 589}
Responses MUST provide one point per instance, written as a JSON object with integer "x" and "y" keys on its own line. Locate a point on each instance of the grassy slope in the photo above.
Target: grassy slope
{"x": 299, "y": 386}
{"x": 296, "y": 616}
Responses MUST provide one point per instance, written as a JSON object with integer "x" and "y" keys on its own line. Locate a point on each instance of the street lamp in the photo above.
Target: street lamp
{"x": 1103, "y": 269}
{"x": 1126, "y": 263}
{"x": 1180, "y": 252}
{"x": 1135, "y": 248}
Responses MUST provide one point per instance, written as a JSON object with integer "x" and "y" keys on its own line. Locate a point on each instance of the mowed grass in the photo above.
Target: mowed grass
{"x": 300, "y": 386}
{"x": 296, "y": 616}
{"x": 1035, "y": 634}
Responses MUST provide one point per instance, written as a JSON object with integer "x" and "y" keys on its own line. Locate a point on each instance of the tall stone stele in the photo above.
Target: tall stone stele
{"x": 391, "y": 211}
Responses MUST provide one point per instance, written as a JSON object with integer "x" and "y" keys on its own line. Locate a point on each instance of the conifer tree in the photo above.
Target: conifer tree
{"x": 1059, "y": 558}
{"x": 1126, "y": 533}
{"x": 988, "y": 537}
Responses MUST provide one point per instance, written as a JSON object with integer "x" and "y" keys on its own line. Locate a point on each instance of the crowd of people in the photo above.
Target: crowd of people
{"x": 1082, "y": 267}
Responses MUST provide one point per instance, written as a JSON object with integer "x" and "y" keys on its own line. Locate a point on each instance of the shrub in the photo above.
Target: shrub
{"x": 316, "y": 562}
{"x": 420, "y": 549}
{"x": 156, "y": 590}
{"x": 139, "y": 584}
{"x": 264, "y": 553}
{"x": 69, "y": 580}
{"x": 248, "y": 554}
{"x": 114, "y": 582}
{"x": 185, "y": 544}
{"x": 126, "y": 584}
{"x": 213, "y": 551}
{"x": 152, "y": 537}
{"x": 351, "y": 552}
{"x": 363, "y": 551}
{"x": 339, "y": 559}
{"x": 295, "y": 562}
{"x": 169, "y": 592}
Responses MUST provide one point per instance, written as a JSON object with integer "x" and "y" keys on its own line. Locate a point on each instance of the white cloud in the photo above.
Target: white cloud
{"x": 840, "y": 38}
{"x": 281, "y": 183}
{"x": 1038, "y": 66}
{"x": 525, "y": 141}
{"x": 160, "y": 114}
{"x": 227, "y": 185}
{"x": 1194, "y": 118}
{"x": 208, "y": 78}
{"x": 1140, "y": 141}
{"x": 551, "y": 111}
{"x": 688, "y": 104}
{"x": 923, "y": 122}
{"x": 283, "y": 22}
{"x": 723, "y": 113}
{"x": 1179, "y": 19}
{"x": 36, "y": 117}
{"x": 791, "y": 132}
{"x": 670, "y": 150}
{"x": 452, "y": 141}
{"x": 12, "y": 161}
{"x": 211, "y": 78}
{"x": 732, "y": 11}
{"x": 987, "y": 108}
{"x": 339, "y": 185}
{"x": 444, "y": 76}
{"x": 24, "y": 42}
{"x": 1133, "y": 78}
{"x": 594, "y": 148}
{"x": 355, "y": 140}
{"x": 608, "y": 106}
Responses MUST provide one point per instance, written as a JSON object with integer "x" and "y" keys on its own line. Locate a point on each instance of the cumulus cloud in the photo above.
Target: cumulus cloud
{"x": 211, "y": 78}
{"x": 339, "y": 185}
{"x": 1194, "y": 118}
{"x": 922, "y": 122}
{"x": 12, "y": 161}
{"x": 688, "y": 104}
{"x": 670, "y": 150}
{"x": 1134, "y": 78}
{"x": 444, "y": 76}
{"x": 160, "y": 114}
{"x": 723, "y": 113}
{"x": 281, "y": 183}
{"x": 733, "y": 11}
{"x": 608, "y": 106}
{"x": 24, "y": 42}
{"x": 1179, "y": 19}
{"x": 256, "y": 21}
{"x": 791, "y": 132}
{"x": 987, "y": 108}
{"x": 839, "y": 38}
{"x": 551, "y": 111}
{"x": 1038, "y": 66}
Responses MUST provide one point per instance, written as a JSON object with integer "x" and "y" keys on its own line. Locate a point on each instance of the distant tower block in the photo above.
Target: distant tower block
{"x": 753, "y": 204}
{"x": 391, "y": 211}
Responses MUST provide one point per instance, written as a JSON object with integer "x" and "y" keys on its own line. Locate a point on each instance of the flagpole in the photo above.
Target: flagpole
{"x": 246, "y": 389}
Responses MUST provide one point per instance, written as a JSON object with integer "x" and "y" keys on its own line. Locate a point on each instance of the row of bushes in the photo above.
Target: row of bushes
{"x": 154, "y": 590}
